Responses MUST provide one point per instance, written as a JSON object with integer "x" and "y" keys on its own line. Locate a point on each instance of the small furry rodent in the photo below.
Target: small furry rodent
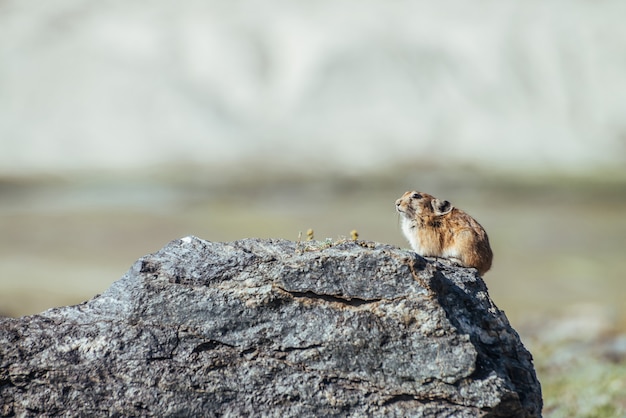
{"x": 435, "y": 228}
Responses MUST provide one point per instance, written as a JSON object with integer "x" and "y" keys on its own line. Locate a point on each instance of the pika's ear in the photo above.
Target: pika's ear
{"x": 441, "y": 207}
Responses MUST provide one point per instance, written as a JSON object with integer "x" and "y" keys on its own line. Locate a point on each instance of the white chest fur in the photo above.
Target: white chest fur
{"x": 409, "y": 229}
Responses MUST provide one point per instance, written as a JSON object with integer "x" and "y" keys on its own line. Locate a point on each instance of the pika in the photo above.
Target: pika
{"x": 435, "y": 228}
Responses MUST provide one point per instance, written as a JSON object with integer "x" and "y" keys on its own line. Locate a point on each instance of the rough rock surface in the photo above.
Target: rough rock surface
{"x": 273, "y": 328}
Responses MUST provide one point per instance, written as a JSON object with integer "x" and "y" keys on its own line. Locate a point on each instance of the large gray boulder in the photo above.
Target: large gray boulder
{"x": 273, "y": 328}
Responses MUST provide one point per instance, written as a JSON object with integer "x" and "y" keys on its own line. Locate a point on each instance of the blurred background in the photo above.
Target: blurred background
{"x": 127, "y": 124}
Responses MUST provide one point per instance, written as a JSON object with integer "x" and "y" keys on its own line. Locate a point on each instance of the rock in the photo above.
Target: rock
{"x": 273, "y": 328}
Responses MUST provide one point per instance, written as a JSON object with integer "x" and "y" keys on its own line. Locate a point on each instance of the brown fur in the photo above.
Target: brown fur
{"x": 435, "y": 228}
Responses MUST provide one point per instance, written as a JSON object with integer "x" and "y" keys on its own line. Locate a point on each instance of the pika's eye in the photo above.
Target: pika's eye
{"x": 416, "y": 196}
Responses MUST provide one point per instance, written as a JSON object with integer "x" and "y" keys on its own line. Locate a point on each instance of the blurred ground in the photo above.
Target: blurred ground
{"x": 558, "y": 244}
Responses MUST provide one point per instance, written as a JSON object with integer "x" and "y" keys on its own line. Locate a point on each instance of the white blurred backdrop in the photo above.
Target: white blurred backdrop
{"x": 339, "y": 85}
